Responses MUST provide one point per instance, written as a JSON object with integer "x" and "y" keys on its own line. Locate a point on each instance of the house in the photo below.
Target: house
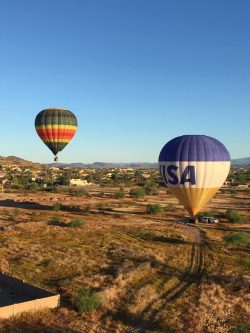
{"x": 242, "y": 186}
{"x": 145, "y": 175}
{"x": 79, "y": 182}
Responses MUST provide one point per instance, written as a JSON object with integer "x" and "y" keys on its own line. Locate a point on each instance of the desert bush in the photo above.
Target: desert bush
{"x": 4, "y": 265}
{"x": 234, "y": 217}
{"x": 86, "y": 209}
{"x": 56, "y": 219}
{"x": 56, "y": 207}
{"x": 159, "y": 238}
{"x": 14, "y": 215}
{"x": 101, "y": 194}
{"x": 71, "y": 208}
{"x": 34, "y": 216}
{"x": 170, "y": 208}
{"x": 150, "y": 189}
{"x": 233, "y": 192}
{"x": 137, "y": 192}
{"x": 34, "y": 187}
{"x": 120, "y": 194}
{"x": 246, "y": 262}
{"x": 247, "y": 191}
{"x": 237, "y": 239}
{"x": 87, "y": 300}
{"x": 76, "y": 223}
{"x": 154, "y": 209}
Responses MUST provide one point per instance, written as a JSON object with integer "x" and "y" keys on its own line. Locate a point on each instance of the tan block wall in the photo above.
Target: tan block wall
{"x": 37, "y": 304}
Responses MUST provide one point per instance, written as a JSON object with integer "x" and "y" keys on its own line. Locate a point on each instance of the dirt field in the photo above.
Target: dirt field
{"x": 151, "y": 273}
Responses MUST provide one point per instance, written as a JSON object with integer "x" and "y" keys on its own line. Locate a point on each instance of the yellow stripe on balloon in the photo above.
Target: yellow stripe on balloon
{"x": 57, "y": 140}
{"x": 193, "y": 199}
{"x": 72, "y": 127}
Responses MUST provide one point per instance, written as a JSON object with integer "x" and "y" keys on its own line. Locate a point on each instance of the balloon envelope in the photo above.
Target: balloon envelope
{"x": 194, "y": 167}
{"x": 56, "y": 127}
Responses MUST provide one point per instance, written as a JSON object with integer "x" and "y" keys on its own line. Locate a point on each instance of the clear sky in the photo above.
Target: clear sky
{"x": 136, "y": 73}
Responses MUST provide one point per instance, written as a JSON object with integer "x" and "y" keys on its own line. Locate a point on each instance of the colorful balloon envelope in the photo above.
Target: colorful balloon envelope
{"x": 194, "y": 167}
{"x": 56, "y": 127}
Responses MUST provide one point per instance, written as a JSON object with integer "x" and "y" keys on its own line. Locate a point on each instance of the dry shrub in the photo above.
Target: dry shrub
{"x": 124, "y": 279}
{"x": 142, "y": 298}
{"x": 213, "y": 311}
{"x": 4, "y": 265}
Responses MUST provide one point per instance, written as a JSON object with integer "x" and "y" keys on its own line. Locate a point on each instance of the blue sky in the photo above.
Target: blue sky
{"x": 135, "y": 72}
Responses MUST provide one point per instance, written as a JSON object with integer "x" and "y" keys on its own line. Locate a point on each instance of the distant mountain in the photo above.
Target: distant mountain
{"x": 10, "y": 160}
{"x": 103, "y": 165}
{"x": 241, "y": 161}
{"x": 14, "y": 160}
{"x": 135, "y": 165}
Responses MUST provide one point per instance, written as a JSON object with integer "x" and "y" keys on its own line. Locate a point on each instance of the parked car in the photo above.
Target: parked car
{"x": 208, "y": 219}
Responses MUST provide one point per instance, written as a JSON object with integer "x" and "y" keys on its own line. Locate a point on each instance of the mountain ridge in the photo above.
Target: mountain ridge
{"x": 8, "y": 160}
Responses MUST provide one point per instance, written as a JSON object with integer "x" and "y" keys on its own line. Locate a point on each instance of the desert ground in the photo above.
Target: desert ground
{"x": 149, "y": 272}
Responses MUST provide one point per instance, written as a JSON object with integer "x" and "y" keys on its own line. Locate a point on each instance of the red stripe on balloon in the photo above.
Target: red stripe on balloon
{"x": 56, "y": 133}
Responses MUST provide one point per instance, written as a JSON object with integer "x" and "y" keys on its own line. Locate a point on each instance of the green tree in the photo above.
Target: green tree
{"x": 15, "y": 181}
{"x": 34, "y": 187}
{"x": 65, "y": 180}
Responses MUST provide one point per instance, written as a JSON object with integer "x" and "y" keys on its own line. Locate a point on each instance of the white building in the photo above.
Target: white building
{"x": 79, "y": 182}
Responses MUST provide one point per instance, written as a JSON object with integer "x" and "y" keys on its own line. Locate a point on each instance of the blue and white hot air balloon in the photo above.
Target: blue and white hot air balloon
{"x": 194, "y": 167}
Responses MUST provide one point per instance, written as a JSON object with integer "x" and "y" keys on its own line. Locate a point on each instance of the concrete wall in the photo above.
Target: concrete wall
{"x": 37, "y": 304}
{"x": 18, "y": 297}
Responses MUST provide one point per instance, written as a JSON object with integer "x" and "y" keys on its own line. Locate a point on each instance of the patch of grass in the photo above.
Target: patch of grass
{"x": 76, "y": 223}
{"x": 246, "y": 262}
{"x": 154, "y": 209}
{"x": 87, "y": 300}
{"x": 234, "y": 217}
{"x": 241, "y": 328}
{"x": 77, "y": 192}
{"x": 237, "y": 239}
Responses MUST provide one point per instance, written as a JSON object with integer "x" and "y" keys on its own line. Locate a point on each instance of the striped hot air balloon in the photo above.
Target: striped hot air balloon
{"x": 56, "y": 127}
{"x": 194, "y": 167}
